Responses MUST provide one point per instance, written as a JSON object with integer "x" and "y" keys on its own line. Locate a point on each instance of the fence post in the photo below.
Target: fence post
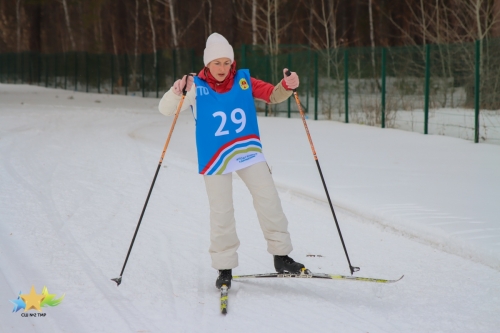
{"x": 308, "y": 78}
{"x": 289, "y": 61}
{"x": 65, "y": 71}
{"x": 125, "y": 76}
{"x": 76, "y": 71}
{"x": 39, "y": 67}
{"x": 267, "y": 78}
{"x": 142, "y": 68}
{"x": 9, "y": 66}
{"x": 55, "y": 70}
{"x": 157, "y": 74}
{"x": 477, "y": 90}
{"x": 30, "y": 65}
{"x": 99, "y": 73}
{"x": 427, "y": 87}
{"x": 47, "y": 71}
{"x": 193, "y": 65}
{"x": 86, "y": 72}
{"x": 384, "y": 58}
{"x": 316, "y": 85}
{"x": 15, "y": 67}
{"x": 243, "y": 56}
{"x": 174, "y": 56}
{"x": 112, "y": 73}
{"x": 22, "y": 68}
{"x": 346, "y": 84}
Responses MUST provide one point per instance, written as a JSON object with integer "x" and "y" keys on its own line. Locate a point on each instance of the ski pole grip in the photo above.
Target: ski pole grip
{"x": 288, "y": 73}
{"x": 185, "y": 86}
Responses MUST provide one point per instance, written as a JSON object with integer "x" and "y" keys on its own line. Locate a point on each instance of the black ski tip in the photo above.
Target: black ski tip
{"x": 118, "y": 280}
{"x": 224, "y": 311}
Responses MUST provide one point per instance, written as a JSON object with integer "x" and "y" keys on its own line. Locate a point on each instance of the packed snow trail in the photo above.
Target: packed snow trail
{"x": 74, "y": 175}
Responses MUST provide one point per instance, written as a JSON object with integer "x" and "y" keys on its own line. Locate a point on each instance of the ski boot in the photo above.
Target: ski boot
{"x": 285, "y": 264}
{"x": 225, "y": 277}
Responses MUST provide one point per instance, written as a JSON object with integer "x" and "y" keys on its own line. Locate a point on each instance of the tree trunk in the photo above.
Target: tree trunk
{"x": 495, "y": 31}
{"x": 136, "y": 45}
{"x": 254, "y": 22}
{"x": 34, "y": 14}
{"x": 18, "y": 23}
{"x": 175, "y": 40}
{"x": 173, "y": 24}
{"x": 153, "y": 35}
{"x": 68, "y": 24}
{"x": 332, "y": 22}
{"x": 311, "y": 20}
{"x": 209, "y": 17}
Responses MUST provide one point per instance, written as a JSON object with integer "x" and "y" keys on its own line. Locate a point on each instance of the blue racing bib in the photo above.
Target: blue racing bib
{"x": 227, "y": 133}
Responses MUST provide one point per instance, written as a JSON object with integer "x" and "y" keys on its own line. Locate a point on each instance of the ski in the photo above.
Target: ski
{"x": 223, "y": 299}
{"x": 309, "y": 275}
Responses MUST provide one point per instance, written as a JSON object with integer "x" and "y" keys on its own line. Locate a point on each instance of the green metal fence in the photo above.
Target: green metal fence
{"x": 448, "y": 90}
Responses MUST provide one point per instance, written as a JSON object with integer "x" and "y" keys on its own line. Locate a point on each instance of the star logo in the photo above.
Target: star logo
{"x": 244, "y": 84}
{"x": 49, "y": 299}
{"x": 34, "y": 301}
{"x": 18, "y": 303}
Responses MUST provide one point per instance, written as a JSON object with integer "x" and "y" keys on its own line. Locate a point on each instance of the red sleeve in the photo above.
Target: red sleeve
{"x": 263, "y": 90}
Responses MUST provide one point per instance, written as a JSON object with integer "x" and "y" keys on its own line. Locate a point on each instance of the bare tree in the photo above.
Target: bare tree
{"x": 327, "y": 39}
{"x": 209, "y": 18}
{"x": 176, "y": 30}
{"x": 372, "y": 42}
{"x": 68, "y": 24}
{"x": 254, "y": 22}
{"x": 18, "y": 22}
{"x": 496, "y": 25}
{"x": 153, "y": 34}
{"x": 136, "y": 30}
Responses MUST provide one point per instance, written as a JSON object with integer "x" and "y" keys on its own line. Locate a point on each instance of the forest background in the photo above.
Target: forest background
{"x": 142, "y": 26}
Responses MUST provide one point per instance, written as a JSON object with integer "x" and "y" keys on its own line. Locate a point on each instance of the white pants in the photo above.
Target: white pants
{"x": 223, "y": 239}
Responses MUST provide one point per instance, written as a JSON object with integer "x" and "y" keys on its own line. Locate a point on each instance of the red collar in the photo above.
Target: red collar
{"x": 219, "y": 87}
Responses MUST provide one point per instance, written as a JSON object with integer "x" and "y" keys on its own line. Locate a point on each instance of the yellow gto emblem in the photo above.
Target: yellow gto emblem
{"x": 243, "y": 84}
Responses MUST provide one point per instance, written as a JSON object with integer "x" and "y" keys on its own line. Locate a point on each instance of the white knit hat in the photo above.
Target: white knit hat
{"x": 217, "y": 47}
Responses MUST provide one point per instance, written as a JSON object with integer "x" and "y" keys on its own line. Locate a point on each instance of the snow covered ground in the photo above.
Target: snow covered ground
{"x": 75, "y": 170}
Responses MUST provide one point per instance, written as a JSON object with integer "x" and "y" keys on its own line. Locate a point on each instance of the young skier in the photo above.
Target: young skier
{"x": 227, "y": 140}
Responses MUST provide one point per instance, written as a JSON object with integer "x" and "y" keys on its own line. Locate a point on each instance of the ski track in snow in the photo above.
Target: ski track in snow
{"x": 73, "y": 182}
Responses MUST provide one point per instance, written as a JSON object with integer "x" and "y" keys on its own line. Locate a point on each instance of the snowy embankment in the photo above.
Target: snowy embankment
{"x": 74, "y": 173}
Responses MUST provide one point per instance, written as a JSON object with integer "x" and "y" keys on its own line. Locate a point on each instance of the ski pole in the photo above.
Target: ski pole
{"x": 296, "y": 95}
{"x": 118, "y": 280}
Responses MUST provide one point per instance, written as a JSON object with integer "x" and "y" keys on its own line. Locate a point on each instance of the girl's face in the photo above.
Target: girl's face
{"x": 219, "y": 68}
